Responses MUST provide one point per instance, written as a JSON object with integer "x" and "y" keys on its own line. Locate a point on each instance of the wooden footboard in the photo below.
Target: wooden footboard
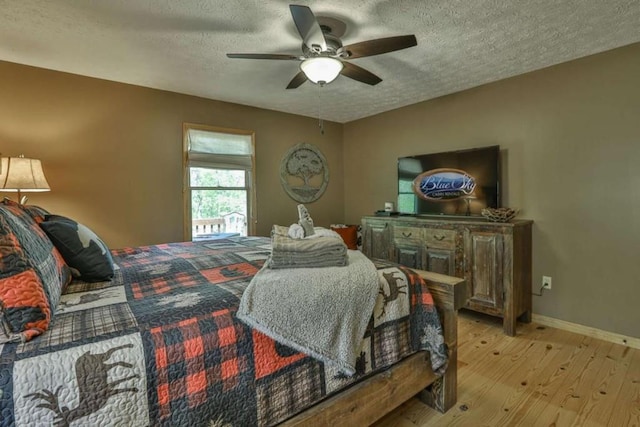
{"x": 449, "y": 294}
{"x": 371, "y": 399}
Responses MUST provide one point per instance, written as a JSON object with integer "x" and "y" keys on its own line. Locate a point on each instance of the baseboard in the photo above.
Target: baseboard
{"x": 587, "y": 330}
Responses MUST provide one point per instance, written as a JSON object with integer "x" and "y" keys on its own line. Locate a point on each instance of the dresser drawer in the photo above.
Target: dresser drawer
{"x": 403, "y": 233}
{"x": 438, "y": 238}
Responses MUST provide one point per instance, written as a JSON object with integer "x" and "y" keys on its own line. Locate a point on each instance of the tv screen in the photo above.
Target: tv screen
{"x": 450, "y": 183}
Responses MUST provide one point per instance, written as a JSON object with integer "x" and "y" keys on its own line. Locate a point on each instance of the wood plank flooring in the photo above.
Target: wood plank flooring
{"x": 541, "y": 377}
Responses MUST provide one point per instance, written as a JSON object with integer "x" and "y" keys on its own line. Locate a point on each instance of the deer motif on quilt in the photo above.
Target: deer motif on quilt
{"x": 89, "y": 298}
{"x": 94, "y": 388}
{"x": 394, "y": 291}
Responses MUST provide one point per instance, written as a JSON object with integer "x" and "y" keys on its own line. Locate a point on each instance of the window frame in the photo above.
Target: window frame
{"x": 250, "y": 177}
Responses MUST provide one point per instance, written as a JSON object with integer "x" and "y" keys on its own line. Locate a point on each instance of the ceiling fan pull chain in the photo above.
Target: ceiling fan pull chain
{"x": 320, "y": 121}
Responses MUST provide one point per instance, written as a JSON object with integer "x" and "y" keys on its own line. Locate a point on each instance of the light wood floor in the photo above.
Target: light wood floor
{"x": 541, "y": 377}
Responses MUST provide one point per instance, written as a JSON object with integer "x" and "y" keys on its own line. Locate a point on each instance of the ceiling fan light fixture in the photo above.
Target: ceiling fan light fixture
{"x": 322, "y": 69}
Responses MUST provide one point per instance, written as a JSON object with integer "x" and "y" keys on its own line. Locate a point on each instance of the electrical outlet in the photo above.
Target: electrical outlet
{"x": 546, "y": 282}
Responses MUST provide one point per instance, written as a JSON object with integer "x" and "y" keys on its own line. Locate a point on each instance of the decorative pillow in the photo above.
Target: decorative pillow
{"x": 80, "y": 247}
{"x": 349, "y": 234}
{"x": 35, "y": 212}
{"x": 33, "y": 275}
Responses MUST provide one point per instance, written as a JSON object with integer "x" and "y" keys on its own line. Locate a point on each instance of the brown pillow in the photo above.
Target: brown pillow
{"x": 349, "y": 234}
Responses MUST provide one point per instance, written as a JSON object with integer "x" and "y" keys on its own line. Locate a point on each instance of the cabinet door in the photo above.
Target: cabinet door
{"x": 410, "y": 256}
{"x": 440, "y": 261}
{"x": 483, "y": 270}
{"x": 440, "y": 251}
{"x": 408, "y": 245}
{"x": 377, "y": 240}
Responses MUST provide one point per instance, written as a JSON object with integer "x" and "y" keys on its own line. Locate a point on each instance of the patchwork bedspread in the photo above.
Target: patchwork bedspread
{"x": 160, "y": 345}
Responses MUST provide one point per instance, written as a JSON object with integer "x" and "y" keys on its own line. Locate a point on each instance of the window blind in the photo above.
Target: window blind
{"x": 219, "y": 150}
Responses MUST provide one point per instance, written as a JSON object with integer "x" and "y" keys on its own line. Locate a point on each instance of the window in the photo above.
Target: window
{"x": 406, "y": 197}
{"x": 218, "y": 182}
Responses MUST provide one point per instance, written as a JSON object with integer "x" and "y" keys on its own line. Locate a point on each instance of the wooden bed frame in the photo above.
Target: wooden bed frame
{"x": 371, "y": 399}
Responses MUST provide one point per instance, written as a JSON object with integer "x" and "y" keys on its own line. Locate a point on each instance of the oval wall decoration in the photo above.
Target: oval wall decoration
{"x": 443, "y": 184}
{"x": 304, "y": 173}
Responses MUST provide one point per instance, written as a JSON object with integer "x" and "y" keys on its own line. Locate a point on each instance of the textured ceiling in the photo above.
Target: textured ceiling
{"x": 180, "y": 45}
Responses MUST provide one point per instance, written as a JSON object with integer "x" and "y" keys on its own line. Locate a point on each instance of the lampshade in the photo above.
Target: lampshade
{"x": 321, "y": 69}
{"x": 20, "y": 174}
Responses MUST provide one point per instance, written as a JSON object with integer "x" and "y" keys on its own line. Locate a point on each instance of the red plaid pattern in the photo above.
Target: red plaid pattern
{"x": 229, "y": 272}
{"x": 196, "y": 356}
{"x": 124, "y": 252}
{"x": 420, "y": 295}
{"x": 163, "y": 285}
{"x": 266, "y": 358}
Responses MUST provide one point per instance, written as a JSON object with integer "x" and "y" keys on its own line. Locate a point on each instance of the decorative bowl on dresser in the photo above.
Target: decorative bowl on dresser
{"x": 493, "y": 257}
{"x": 499, "y": 214}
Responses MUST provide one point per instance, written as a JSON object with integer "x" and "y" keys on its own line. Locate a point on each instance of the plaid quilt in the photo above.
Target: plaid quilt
{"x": 160, "y": 345}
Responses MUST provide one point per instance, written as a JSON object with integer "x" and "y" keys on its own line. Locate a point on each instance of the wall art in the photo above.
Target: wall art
{"x": 304, "y": 173}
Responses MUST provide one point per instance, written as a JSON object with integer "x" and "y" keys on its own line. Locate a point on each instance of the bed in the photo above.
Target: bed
{"x": 159, "y": 345}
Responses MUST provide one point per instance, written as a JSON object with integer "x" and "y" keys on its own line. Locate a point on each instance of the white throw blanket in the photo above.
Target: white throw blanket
{"x": 322, "y": 312}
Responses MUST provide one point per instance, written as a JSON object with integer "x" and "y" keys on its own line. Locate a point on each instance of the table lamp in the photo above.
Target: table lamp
{"x": 22, "y": 175}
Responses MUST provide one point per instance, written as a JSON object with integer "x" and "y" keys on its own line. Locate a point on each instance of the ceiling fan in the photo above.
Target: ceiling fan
{"x": 323, "y": 55}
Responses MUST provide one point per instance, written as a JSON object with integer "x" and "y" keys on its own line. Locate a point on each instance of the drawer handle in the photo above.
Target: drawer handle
{"x": 405, "y": 234}
{"x": 439, "y": 237}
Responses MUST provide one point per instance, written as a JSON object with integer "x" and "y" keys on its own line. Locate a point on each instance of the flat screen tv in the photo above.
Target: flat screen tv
{"x": 450, "y": 183}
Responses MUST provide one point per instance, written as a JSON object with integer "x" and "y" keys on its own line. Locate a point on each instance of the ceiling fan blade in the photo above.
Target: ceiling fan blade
{"x": 360, "y": 74}
{"x": 308, "y": 27}
{"x": 297, "y": 80}
{"x": 378, "y": 46}
{"x": 263, "y": 56}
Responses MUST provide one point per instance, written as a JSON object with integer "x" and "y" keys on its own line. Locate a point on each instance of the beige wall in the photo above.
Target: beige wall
{"x": 112, "y": 153}
{"x": 570, "y": 135}
{"x": 571, "y": 141}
